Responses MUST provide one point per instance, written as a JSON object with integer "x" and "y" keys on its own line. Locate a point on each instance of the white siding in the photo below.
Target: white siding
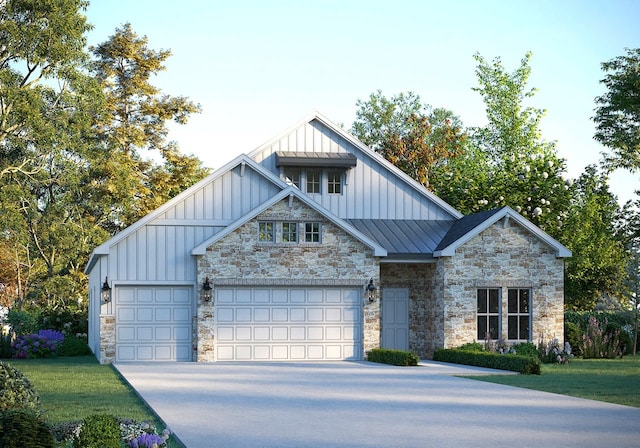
{"x": 373, "y": 192}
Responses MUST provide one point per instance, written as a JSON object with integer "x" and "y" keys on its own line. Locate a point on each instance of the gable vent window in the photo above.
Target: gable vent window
{"x": 266, "y": 232}
{"x": 289, "y": 232}
{"x": 312, "y": 232}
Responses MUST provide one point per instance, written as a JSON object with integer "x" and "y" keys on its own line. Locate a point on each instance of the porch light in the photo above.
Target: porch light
{"x": 105, "y": 292}
{"x": 371, "y": 291}
{"x": 206, "y": 291}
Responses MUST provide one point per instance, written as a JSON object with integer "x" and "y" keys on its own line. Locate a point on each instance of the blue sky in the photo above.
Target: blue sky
{"x": 258, "y": 67}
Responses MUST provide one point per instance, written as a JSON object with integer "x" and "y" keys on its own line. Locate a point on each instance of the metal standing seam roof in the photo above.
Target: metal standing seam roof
{"x": 316, "y": 159}
{"x": 409, "y": 237}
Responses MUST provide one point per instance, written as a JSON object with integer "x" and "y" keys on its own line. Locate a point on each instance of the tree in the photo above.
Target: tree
{"x": 597, "y": 266}
{"x": 416, "y": 138}
{"x": 618, "y": 113}
{"x": 136, "y": 121}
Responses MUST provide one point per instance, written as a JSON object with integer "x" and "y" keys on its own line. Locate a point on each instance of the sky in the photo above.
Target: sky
{"x": 258, "y": 68}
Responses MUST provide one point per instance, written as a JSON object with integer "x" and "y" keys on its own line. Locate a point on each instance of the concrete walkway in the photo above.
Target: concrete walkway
{"x": 361, "y": 404}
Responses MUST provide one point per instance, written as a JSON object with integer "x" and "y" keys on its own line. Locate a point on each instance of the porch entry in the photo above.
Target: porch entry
{"x": 395, "y": 318}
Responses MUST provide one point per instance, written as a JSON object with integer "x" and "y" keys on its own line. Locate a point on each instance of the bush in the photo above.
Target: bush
{"x": 581, "y": 318}
{"x": 526, "y": 349}
{"x": 393, "y": 357}
{"x": 23, "y": 429}
{"x": 515, "y": 363}
{"x": 619, "y": 338}
{"x": 23, "y": 322}
{"x": 99, "y": 431}
{"x": 72, "y": 346}
{"x": 67, "y": 321}
{"x": 472, "y": 347}
{"x": 5, "y": 344}
{"x": 553, "y": 352}
{"x": 43, "y": 344}
{"x": 573, "y": 335}
{"x": 16, "y": 391}
{"x": 597, "y": 343}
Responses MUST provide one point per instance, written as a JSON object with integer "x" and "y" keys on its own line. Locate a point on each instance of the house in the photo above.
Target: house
{"x": 314, "y": 247}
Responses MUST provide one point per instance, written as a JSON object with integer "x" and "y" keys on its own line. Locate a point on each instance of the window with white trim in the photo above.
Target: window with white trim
{"x": 488, "y": 313}
{"x": 519, "y": 314}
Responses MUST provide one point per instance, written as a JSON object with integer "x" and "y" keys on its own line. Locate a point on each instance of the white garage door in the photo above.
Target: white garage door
{"x": 153, "y": 323}
{"x": 288, "y": 324}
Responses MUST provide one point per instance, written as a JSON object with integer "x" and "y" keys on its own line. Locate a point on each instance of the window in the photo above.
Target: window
{"x": 334, "y": 182}
{"x": 519, "y": 314}
{"x": 289, "y": 232}
{"x": 312, "y": 232}
{"x": 313, "y": 181}
{"x": 292, "y": 175}
{"x": 265, "y": 232}
{"x": 488, "y": 313}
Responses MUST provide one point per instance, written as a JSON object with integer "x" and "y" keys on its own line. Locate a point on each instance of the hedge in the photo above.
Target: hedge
{"x": 393, "y": 357}
{"x": 515, "y": 363}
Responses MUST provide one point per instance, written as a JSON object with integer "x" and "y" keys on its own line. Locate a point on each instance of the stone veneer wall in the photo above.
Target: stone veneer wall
{"x": 239, "y": 259}
{"x": 502, "y": 256}
{"x": 425, "y": 310}
{"x": 107, "y": 338}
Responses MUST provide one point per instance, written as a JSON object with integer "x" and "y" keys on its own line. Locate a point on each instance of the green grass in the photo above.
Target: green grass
{"x": 73, "y": 388}
{"x": 610, "y": 380}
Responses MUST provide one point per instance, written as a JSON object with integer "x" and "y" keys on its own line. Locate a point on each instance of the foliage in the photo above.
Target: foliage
{"x": 472, "y": 347}
{"x": 43, "y": 344}
{"x": 23, "y": 321}
{"x": 65, "y": 320}
{"x": 99, "y": 431}
{"x": 6, "y": 338}
{"x": 618, "y": 113}
{"x": 525, "y": 349}
{"x": 414, "y": 137}
{"x": 553, "y": 352}
{"x": 599, "y": 257}
{"x": 619, "y": 337}
{"x": 393, "y": 357}
{"x": 573, "y": 335}
{"x": 16, "y": 391}
{"x": 515, "y": 363}
{"x": 597, "y": 343}
{"x": 23, "y": 429}
{"x": 73, "y": 346}
{"x": 583, "y": 318}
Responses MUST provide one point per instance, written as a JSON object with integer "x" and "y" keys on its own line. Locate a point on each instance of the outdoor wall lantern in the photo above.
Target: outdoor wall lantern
{"x": 206, "y": 291}
{"x": 371, "y": 291}
{"x": 105, "y": 292}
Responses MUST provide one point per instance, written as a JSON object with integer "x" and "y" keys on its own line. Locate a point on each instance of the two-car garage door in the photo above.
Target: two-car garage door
{"x": 288, "y": 323}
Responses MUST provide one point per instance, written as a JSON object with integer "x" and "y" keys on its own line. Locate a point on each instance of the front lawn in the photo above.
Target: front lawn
{"x": 610, "y": 380}
{"x": 73, "y": 388}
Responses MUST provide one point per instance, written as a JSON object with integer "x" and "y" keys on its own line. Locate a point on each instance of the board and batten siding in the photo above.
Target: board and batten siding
{"x": 372, "y": 190}
{"x": 161, "y": 250}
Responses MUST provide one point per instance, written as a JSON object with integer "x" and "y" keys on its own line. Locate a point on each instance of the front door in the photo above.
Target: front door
{"x": 395, "y": 318}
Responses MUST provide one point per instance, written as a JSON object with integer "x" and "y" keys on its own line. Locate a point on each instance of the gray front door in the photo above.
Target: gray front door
{"x": 395, "y": 318}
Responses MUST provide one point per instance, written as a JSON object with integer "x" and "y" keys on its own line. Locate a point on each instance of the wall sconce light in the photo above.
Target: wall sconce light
{"x": 105, "y": 292}
{"x": 206, "y": 291}
{"x": 371, "y": 291}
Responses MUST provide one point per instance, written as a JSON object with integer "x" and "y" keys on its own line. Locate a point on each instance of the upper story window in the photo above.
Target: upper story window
{"x": 292, "y": 175}
{"x": 313, "y": 181}
{"x": 334, "y": 182}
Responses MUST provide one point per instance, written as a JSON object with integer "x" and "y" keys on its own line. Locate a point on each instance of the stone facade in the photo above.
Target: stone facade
{"x": 503, "y": 256}
{"x": 239, "y": 259}
{"x": 107, "y": 338}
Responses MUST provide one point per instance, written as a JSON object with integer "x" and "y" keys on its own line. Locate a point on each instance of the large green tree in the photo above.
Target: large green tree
{"x": 618, "y": 111}
{"x": 135, "y": 130}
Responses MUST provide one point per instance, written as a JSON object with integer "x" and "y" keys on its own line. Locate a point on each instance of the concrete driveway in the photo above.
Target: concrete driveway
{"x": 361, "y": 404}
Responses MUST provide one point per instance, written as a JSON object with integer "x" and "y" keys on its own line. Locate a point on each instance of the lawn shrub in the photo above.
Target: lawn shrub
{"x": 99, "y": 431}
{"x": 67, "y": 321}
{"x": 526, "y": 349}
{"x": 73, "y": 346}
{"x": 472, "y": 347}
{"x": 16, "y": 391}
{"x": 5, "y": 344}
{"x": 620, "y": 338}
{"x": 23, "y": 322}
{"x": 20, "y": 428}
{"x": 581, "y": 318}
{"x": 573, "y": 335}
{"x": 515, "y": 363}
{"x": 597, "y": 343}
{"x": 43, "y": 344}
{"x": 393, "y": 357}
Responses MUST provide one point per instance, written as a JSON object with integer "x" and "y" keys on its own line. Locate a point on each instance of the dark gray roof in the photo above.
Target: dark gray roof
{"x": 463, "y": 226}
{"x": 316, "y": 159}
{"x": 404, "y": 237}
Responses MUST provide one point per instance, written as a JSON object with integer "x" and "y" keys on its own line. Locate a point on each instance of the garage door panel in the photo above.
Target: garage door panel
{"x": 288, "y": 323}
{"x": 154, "y": 323}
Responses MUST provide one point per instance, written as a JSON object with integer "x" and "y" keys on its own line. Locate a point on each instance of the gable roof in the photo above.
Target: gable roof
{"x": 472, "y": 225}
{"x": 241, "y": 160}
{"x": 357, "y": 144}
{"x": 378, "y": 250}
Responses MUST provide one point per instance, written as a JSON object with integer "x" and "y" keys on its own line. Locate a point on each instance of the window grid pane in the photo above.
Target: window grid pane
{"x": 519, "y": 316}
{"x": 293, "y": 175}
{"x": 334, "y": 182}
{"x": 265, "y": 232}
{"x": 488, "y": 313}
{"x": 312, "y": 232}
{"x": 313, "y": 181}
{"x": 290, "y": 232}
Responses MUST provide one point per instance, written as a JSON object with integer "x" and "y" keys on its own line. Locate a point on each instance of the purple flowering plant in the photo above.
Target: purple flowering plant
{"x": 43, "y": 344}
{"x": 147, "y": 440}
